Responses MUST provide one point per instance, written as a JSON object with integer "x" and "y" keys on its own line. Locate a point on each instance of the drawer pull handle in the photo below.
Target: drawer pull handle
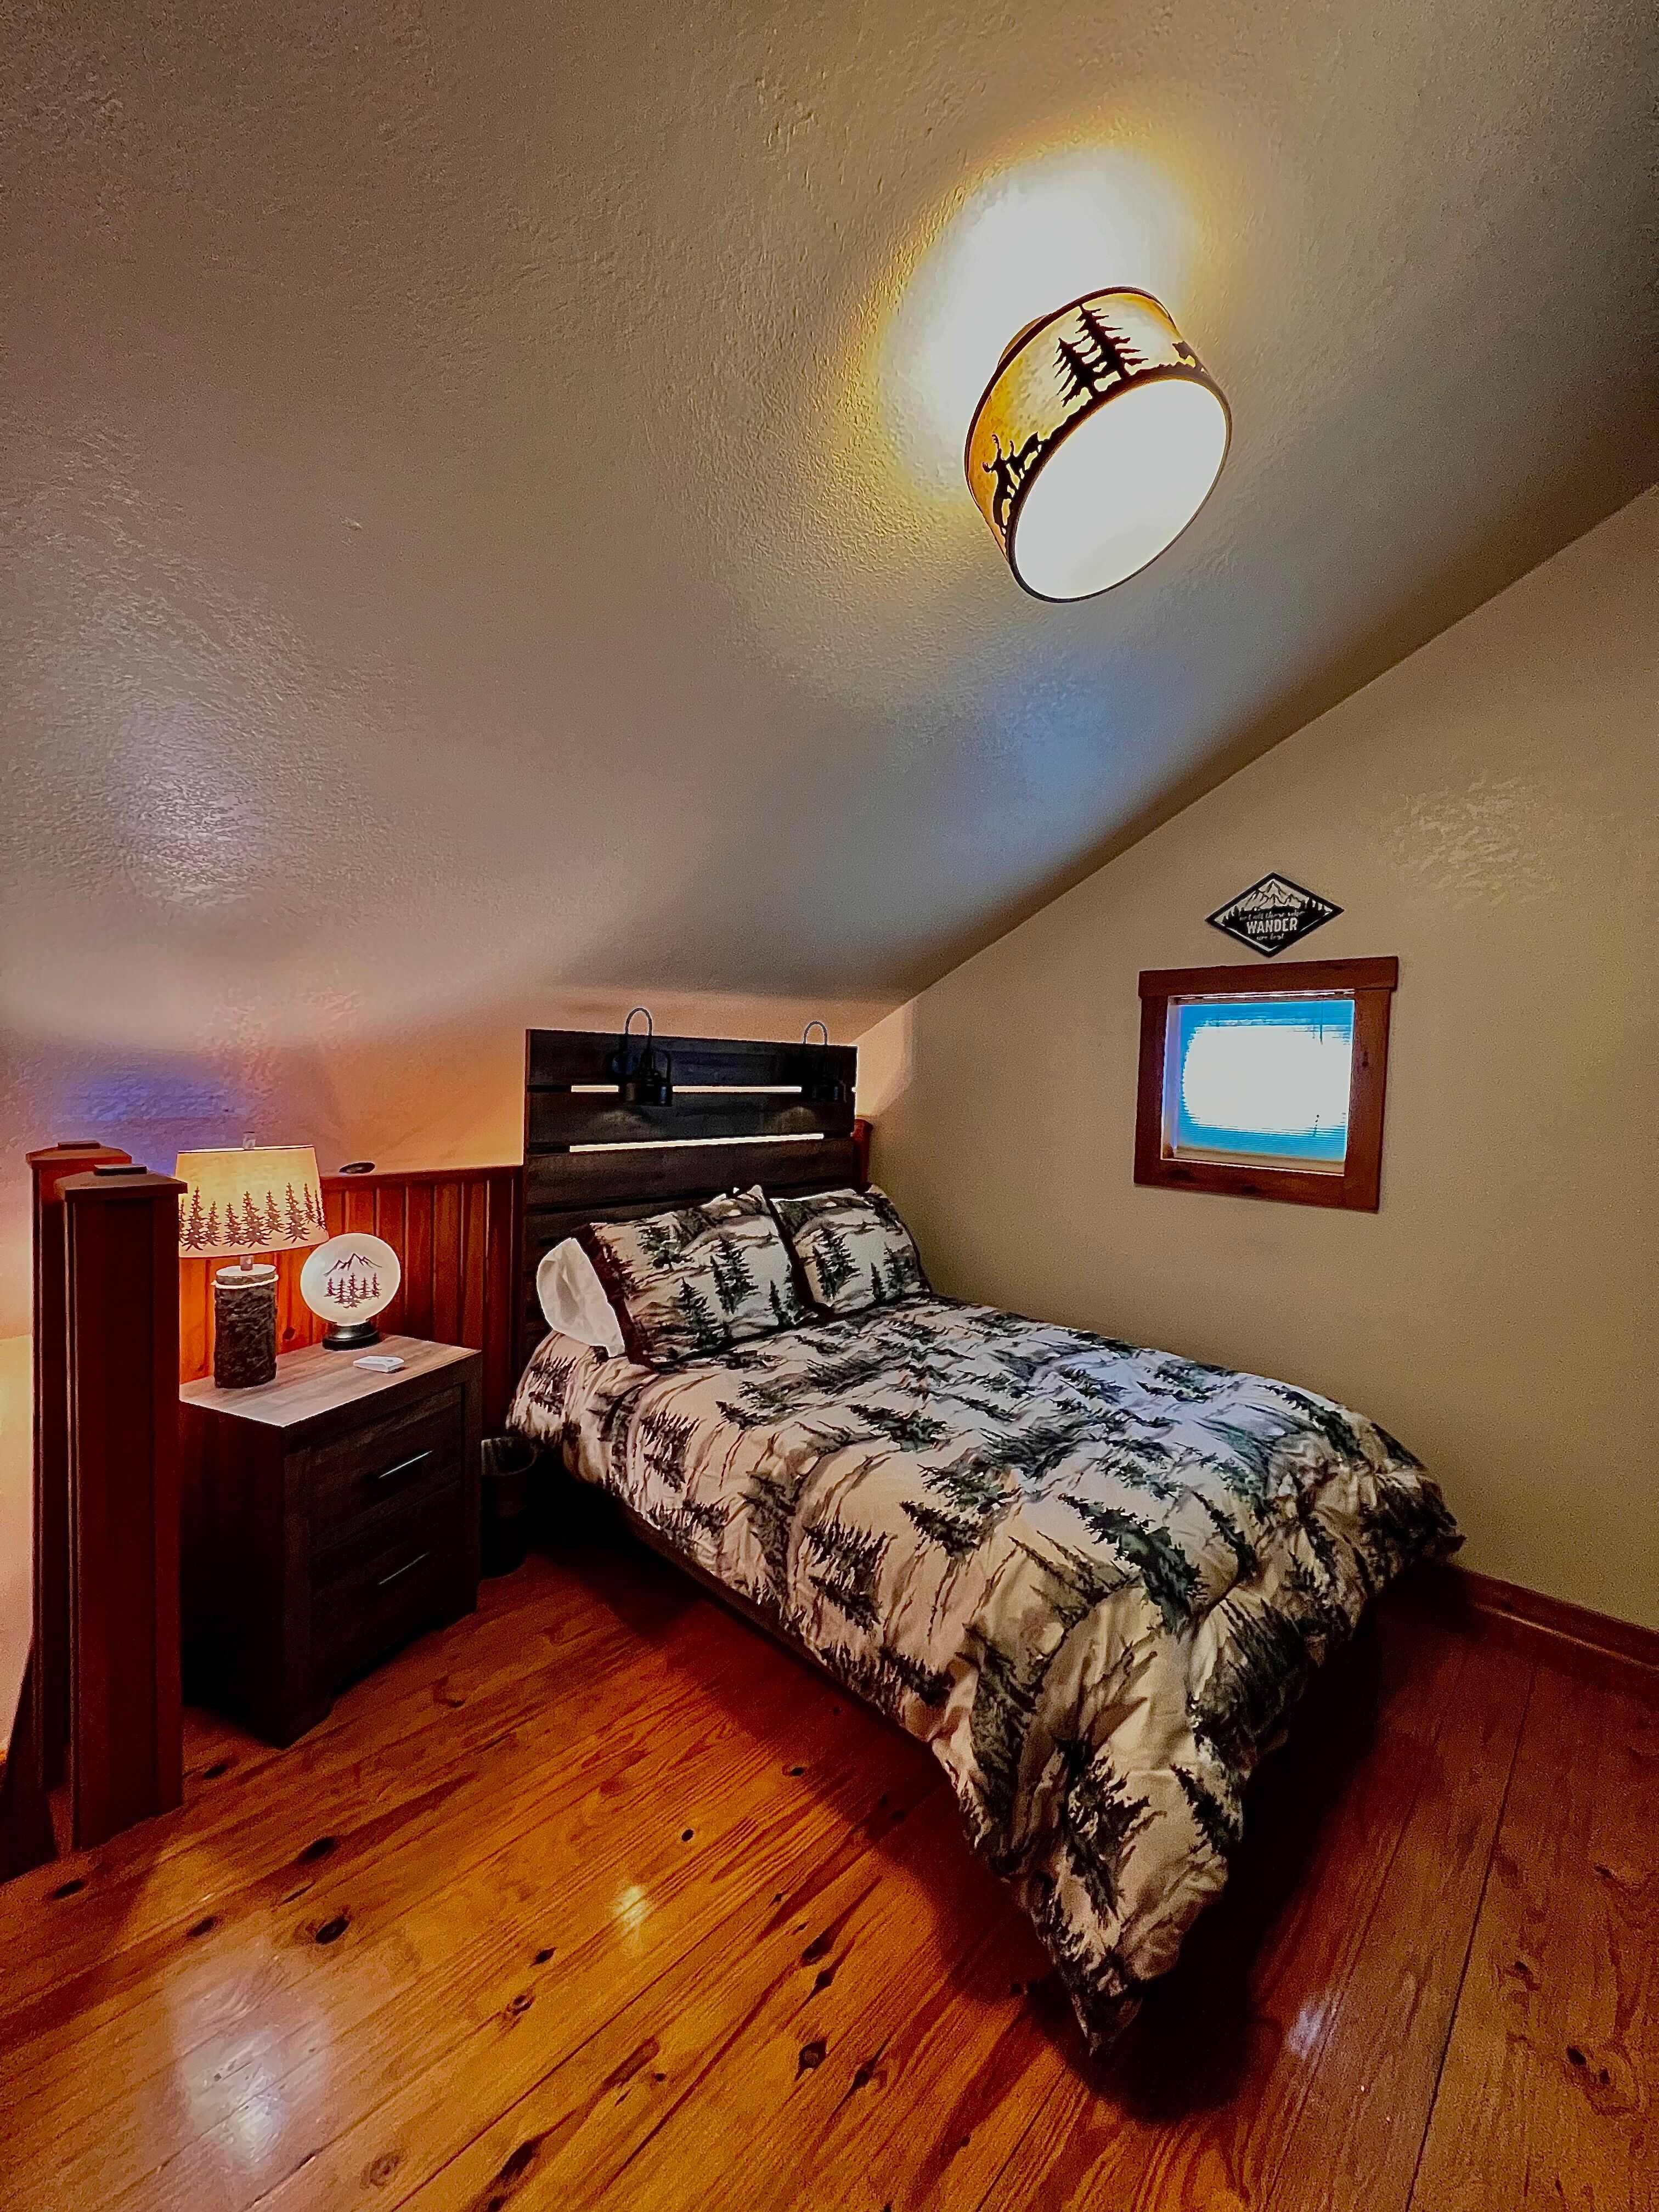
{"x": 398, "y": 1573}
{"x": 402, "y": 1467}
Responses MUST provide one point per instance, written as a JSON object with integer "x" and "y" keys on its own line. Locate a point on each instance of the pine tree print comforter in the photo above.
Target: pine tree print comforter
{"x": 1092, "y": 1578}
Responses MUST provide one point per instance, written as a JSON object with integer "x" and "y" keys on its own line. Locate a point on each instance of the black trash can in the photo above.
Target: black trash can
{"x": 507, "y": 1503}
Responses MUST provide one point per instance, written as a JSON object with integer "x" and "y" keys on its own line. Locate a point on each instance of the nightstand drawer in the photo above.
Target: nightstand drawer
{"x": 396, "y": 1459}
{"x": 328, "y": 1516}
{"x": 378, "y": 1587}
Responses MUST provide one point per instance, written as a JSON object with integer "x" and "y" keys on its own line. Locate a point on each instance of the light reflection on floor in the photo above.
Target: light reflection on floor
{"x": 630, "y": 1908}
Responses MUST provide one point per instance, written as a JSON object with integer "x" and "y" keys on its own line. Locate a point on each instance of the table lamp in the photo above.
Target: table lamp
{"x": 346, "y": 1282}
{"x": 258, "y": 1198}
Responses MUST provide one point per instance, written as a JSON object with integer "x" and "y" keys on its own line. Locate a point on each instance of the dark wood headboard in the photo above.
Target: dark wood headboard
{"x": 588, "y": 1157}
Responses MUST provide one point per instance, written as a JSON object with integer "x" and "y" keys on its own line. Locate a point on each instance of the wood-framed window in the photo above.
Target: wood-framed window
{"x": 1265, "y": 1086}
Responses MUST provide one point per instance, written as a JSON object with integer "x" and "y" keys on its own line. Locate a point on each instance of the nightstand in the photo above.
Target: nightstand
{"x": 328, "y": 1516}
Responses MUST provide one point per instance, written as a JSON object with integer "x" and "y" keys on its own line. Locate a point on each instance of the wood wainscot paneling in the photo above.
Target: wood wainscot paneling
{"x": 455, "y": 1232}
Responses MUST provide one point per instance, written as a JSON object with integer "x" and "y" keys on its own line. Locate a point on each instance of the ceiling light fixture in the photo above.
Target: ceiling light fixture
{"x": 1095, "y": 444}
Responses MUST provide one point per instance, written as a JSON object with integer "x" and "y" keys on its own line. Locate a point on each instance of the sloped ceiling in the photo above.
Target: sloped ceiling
{"x": 481, "y": 532}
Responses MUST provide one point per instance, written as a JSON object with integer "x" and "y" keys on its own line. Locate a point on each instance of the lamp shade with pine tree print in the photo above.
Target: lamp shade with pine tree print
{"x": 1095, "y": 444}
{"x": 258, "y": 1198}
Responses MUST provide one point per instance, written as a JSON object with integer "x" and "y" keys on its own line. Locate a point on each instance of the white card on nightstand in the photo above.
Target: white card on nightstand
{"x": 380, "y": 1363}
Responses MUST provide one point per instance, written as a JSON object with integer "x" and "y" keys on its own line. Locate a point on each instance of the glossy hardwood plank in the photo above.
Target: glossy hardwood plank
{"x": 641, "y": 1917}
{"x": 716, "y": 2043}
{"x": 1197, "y": 2105}
{"x": 932, "y": 2062}
{"x": 622, "y": 1906}
{"x": 696, "y": 1700}
{"x": 392, "y": 1853}
{"x": 249, "y": 1810}
{"x": 1356, "y": 2142}
{"x": 886, "y": 2029}
{"x": 421, "y": 1990}
{"x": 1549, "y": 2096}
{"x": 175, "y": 2065}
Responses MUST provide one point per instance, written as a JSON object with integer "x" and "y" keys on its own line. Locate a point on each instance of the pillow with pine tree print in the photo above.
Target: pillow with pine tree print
{"x": 851, "y": 1249}
{"x": 687, "y": 1284}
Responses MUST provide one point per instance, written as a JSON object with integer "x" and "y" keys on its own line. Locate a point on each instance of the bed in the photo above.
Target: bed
{"x": 1093, "y": 1577}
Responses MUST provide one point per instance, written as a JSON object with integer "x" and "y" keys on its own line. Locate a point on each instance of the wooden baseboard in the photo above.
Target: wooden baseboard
{"x": 1555, "y": 1617}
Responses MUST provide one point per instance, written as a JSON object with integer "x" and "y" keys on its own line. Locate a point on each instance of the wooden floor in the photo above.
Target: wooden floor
{"x": 597, "y": 1897}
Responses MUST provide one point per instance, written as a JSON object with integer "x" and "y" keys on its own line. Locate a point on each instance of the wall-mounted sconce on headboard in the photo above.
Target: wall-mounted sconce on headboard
{"x": 819, "y": 1081}
{"x": 647, "y": 1080}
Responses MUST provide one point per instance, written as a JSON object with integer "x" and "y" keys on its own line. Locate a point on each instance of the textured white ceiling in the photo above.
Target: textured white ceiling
{"x": 480, "y": 527}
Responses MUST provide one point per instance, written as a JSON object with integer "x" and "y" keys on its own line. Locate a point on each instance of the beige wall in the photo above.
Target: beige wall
{"x": 1486, "y": 810}
{"x": 483, "y": 519}
{"x": 415, "y": 1095}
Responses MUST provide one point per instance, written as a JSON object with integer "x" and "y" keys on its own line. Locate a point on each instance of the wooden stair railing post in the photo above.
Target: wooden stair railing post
{"x": 26, "y": 1835}
{"x": 121, "y": 1244}
{"x": 34, "y": 1760}
{"x": 49, "y": 1673}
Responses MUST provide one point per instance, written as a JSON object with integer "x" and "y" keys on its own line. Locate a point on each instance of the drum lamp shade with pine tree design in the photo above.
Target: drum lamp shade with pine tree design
{"x": 257, "y": 1198}
{"x": 1095, "y": 444}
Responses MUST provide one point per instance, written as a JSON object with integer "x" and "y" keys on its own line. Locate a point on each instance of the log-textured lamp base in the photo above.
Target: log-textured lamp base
{"x": 243, "y": 1327}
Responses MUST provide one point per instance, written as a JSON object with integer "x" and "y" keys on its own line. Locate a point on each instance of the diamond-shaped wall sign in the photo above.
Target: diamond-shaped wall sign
{"x": 1271, "y": 914}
